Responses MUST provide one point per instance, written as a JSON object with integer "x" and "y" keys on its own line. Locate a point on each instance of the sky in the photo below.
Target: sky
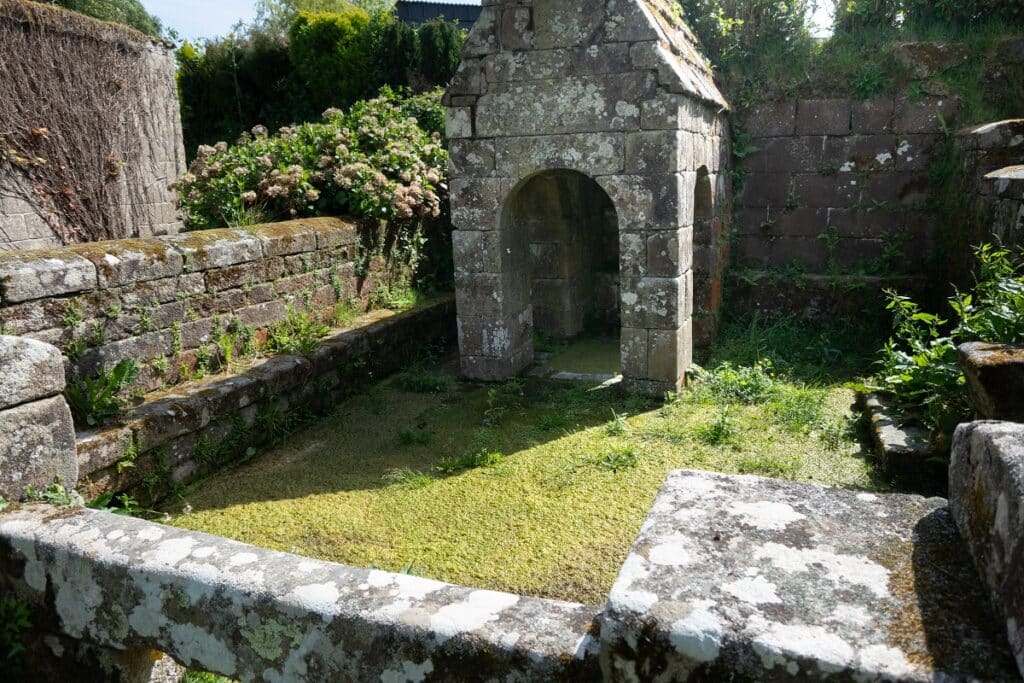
{"x": 194, "y": 19}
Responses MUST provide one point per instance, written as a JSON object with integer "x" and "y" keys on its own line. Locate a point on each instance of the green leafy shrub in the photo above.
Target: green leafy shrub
{"x": 94, "y": 400}
{"x": 299, "y": 332}
{"x": 919, "y": 372}
{"x": 331, "y": 53}
{"x": 335, "y": 56}
{"x": 375, "y": 161}
{"x": 733, "y": 32}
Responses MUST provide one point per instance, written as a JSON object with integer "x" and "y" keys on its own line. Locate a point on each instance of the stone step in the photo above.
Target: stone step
{"x": 746, "y": 578}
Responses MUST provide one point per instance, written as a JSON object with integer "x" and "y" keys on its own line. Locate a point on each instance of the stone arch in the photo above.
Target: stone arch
{"x": 561, "y": 227}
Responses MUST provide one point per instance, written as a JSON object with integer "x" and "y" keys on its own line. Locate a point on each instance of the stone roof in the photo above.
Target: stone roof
{"x": 659, "y": 23}
{"x": 692, "y": 68}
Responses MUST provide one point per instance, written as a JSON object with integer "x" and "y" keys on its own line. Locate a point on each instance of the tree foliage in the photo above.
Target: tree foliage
{"x": 326, "y": 60}
{"x": 331, "y": 54}
{"x": 128, "y": 12}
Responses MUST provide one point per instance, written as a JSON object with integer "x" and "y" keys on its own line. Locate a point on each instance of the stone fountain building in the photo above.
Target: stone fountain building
{"x": 589, "y": 152}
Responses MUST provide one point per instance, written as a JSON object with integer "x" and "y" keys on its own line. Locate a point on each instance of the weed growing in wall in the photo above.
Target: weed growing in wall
{"x": 15, "y": 621}
{"x": 94, "y": 400}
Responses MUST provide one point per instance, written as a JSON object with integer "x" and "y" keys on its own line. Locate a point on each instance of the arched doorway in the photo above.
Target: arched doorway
{"x": 565, "y": 231}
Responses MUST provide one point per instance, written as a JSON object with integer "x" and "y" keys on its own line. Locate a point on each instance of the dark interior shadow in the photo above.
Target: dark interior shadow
{"x": 961, "y": 632}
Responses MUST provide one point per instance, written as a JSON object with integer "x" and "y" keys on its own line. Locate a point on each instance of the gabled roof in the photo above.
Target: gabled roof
{"x": 692, "y": 67}
{"x": 657, "y": 21}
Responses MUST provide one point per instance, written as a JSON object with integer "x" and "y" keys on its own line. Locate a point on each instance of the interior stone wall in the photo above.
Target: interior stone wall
{"x": 572, "y": 230}
{"x": 153, "y": 123}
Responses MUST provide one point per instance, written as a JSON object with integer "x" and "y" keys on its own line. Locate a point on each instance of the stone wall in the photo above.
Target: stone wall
{"x": 168, "y": 301}
{"x": 993, "y": 173}
{"x": 151, "y": 121}
{"x": 986, "y": 496}
{"x": 178, "y": 305}
{"x": 37, "y": 438}
{"x": 835, "y": 193}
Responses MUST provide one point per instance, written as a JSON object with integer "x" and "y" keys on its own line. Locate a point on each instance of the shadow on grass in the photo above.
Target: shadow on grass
{"x": 827, "y": 352}
{"x": 389, "y": 436}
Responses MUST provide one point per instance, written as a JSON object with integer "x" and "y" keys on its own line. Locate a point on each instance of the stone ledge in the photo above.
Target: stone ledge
{"x": 987, "y": 500}
{"x": 745, "y": 578}
{"x": 27, "y": 275}
{"x": 904, "y": 449}
{"x": 995, "y": 376}
{"x": 254, "y": 614}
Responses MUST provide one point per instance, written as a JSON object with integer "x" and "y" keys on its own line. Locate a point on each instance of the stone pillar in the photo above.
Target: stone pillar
{"x": 37, "y": 436}
{"x": 986, "y": 497}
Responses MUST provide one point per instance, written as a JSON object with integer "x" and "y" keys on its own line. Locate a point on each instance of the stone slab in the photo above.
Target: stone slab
{"x": 37, "y": 446}
{"x": 29, "y": 370}
{"x": 27, "y": 275}
{"x": 253, "y": 614}
{"x": 995, "y": 376}
{"x": 746, "y": 578}
{"x": 986, "y": 497}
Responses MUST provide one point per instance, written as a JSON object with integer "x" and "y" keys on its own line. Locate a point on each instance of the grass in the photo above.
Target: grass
{"x": 536, "y": 487}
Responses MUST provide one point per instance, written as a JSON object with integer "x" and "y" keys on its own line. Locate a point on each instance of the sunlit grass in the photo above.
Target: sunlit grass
{"x": 537, "y": 487}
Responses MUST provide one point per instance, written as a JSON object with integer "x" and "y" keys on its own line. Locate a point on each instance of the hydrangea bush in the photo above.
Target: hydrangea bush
{"x": 384, "y": 158}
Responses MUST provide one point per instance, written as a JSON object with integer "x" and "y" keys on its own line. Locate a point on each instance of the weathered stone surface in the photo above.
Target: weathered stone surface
{"x": 254, "y": 614}
{"x": 995, "y": 375}
{"x": 922, "y": 116}
{"x": 577, "y": 104}
{"x": 101, "y": 448}
{"x": 27, "y": 275}
{"x": 925, "y": 60}
{"x": 29, "y": 370}
{"x": 986, "y": 497}
{"x": 746, "y": 578}
{"x": 122, "y": 262}
{"x": 205, "y": 249}
{"x": 592, "y": 153}
{"x": 823, "y": 117}
{"x": 37, "y": 446}
{"x": 280, "y": 239}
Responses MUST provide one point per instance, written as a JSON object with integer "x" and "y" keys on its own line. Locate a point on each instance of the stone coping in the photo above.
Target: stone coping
{"x": 254, "y": 614}
{"x": 995, "y": 377}
{"x": 27, "y": 275}
{"x": 746, "y": 578}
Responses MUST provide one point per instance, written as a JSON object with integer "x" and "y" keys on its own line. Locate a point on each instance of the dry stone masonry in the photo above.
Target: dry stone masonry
{"x": 37, "y": 437}
{"x": 172, "y": 303}
{"x": 836, "y": 186}
{"x": 588, "y": 143}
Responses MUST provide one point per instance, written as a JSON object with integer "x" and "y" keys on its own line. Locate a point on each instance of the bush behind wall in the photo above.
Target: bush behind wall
{"x": 229, "y": 85}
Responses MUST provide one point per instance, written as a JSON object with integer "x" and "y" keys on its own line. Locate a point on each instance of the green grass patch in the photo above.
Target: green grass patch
{"x": 533, "y": 486}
